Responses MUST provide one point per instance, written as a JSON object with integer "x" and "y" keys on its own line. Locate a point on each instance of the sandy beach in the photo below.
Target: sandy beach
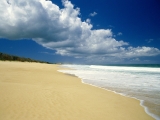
{"x": 34, "y": 91}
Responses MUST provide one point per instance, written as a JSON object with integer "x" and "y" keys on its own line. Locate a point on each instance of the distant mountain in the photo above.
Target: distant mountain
{"x": 8, "y": 57}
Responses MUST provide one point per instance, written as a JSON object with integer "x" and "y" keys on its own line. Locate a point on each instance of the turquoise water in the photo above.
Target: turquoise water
{"x": 141, "y": 82}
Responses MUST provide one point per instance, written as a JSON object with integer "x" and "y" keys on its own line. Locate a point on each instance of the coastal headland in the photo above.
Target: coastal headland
{"x": 37, "y": 91}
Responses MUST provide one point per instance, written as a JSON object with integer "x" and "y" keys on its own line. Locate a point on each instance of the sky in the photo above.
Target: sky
{"x": 82, "y": 32}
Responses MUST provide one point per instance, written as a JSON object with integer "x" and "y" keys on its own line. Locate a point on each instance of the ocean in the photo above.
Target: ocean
{"x": 141, "y": 82}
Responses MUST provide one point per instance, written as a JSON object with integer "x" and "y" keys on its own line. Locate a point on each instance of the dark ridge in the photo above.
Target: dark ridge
{"x": 7, "y": 57}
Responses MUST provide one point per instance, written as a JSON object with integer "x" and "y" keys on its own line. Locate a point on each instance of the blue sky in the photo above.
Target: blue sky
{"x": 83, "y": 32}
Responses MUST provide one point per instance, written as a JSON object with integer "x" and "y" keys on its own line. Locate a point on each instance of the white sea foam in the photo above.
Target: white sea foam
{"x": 138, "y": 82}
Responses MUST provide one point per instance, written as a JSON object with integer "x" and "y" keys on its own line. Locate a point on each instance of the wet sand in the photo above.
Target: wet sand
{"x": 34, "y": 91}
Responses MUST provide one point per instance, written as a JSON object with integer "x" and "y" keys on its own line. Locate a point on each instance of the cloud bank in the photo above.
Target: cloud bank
{"x": 62, "y": 29}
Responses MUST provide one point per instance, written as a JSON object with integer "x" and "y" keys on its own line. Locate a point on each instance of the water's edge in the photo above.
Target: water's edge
{"x": 141, "y": 101}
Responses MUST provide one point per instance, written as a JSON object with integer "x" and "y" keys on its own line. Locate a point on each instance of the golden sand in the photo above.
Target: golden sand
{"x": 34, "y": 91}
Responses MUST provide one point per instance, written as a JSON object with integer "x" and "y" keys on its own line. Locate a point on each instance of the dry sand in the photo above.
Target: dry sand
{"x": 34, "y": 91}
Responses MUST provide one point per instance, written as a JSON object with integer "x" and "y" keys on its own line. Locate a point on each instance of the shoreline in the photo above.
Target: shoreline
{"x": 150, "y": 108}
{"x": 141, "y": 101}
{"x": 39, "y": 91}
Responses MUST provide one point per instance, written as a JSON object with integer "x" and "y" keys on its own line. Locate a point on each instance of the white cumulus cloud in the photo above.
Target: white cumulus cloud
{"x": 93, "y": 14}
{"x": 120, "y": 33}
{"x": 64, "y": 31}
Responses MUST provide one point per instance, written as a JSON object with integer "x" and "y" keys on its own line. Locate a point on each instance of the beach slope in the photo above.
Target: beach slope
{"x": 35, "y": 91}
